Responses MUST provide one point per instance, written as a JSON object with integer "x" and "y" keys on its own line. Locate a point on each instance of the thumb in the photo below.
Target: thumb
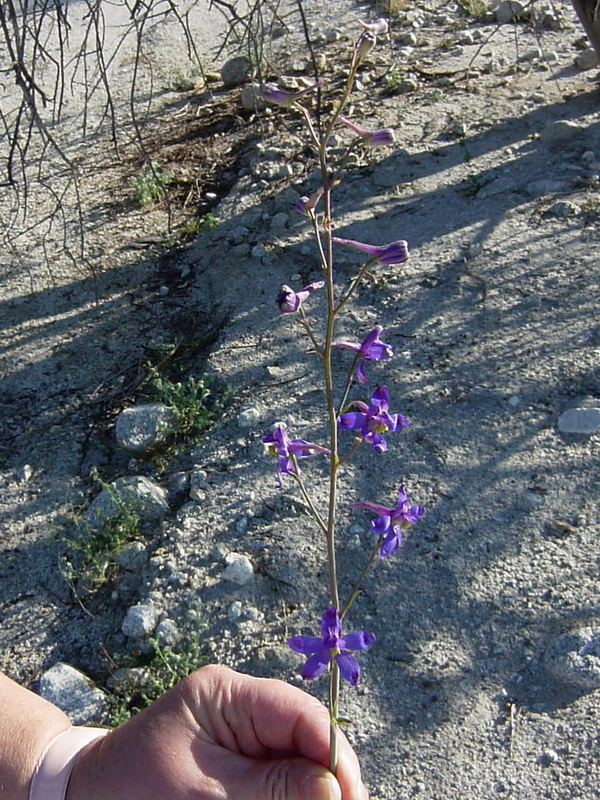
{"x": 295, "y": 779}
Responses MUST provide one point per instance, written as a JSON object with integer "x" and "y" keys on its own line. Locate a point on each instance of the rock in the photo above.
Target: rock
{"x": 547, "y": 186}
{"x": 24, "y": 473}
{"x": 168, "y": 633}
{"x": 235, "y": 611}
{"x": 248, "y": 417}
{"x": 141, "y": 428}
{"x": 580, "y": 420}
{"x": 531, "y": 55}
{"x": 258, "y": 251}
{"x": 74, "y": 693}
{"x": 563, "y": 209}
{"x": 236, "y": 71}
{"x": 238, "y": 234}
{"x": 198, "y": 485}
{"x": 574, "y": 657}
{"x": 559, "y": 130}
{"x": 140, "y": 621}
{"x": 136, "y": 492}
{"x": 239, "y": 569}
{"x": 501, "y": 185}
{"x": 133, "y": 557}
{"x": 178, "y": 487}
{"x": 508, "y": 10}
{"x": 252, "y": 98}
{"x": 549, "y": 19}
{"x": 587, "y": 59}
{"x": 279, "y": 221}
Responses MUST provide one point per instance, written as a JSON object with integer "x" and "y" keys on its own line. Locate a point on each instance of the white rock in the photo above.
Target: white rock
{"x": 133, "y": 557}
{"x": 235, "y": 611}
{"x": 198, "y": 484}
{"x": 140, "y": 428}
{"x": 167, "y": 632}
{"x": 135, "y": 492}
{"x": 560, "y": 130}
{"x": 74, "y": 693}
{"x": 239, "y": 569}
{"x": 508, "y": 10}
{"x": 252, "y": 98}
{"x": 236, "y": 71}
{"x": 547, "y": 186}
{"x": 574, "y": 657}
{"x": 587, "y": 59}
{"x": 140, "y": 621}
{"x": 248, "y": 417}
{"x": 580, "y": 420}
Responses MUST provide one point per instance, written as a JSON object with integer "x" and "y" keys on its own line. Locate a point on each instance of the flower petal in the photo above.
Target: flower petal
{"x": 349, "y": 669}
{"x": 315, "y": 665}
{"x": 391, "y": 543}
{"x": 352, "y": 420}
{"x": 374, "y": 507}
{"x": 307, "y": 645}
{"x": 330, "y": 622}
{"x": 381, "y": 525}
{"x": 359, "y": 640}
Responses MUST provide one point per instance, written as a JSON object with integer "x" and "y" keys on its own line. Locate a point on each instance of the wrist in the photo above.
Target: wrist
{"x": 51, "y": 775}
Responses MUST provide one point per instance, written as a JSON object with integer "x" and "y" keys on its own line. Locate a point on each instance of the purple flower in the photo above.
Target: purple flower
{"x": 279, "y": 444}
{"x": 390, "y": 522}
{"x": 393, "y": 253}
{"x": 273, "y": 94}
{"x": 370, "y": 138}
{"x": 377, "y": 28}
{"x": 372, "y": 420}
{"x": 331, "y": 644}
{"x": 289, "y": 301}
{"x": 370, "y": 349}
{"x": 306, "y": 204}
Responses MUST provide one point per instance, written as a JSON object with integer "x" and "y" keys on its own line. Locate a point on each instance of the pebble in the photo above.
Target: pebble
{"x": 136, "y": 492}
{"x": 531, "y": 55}
{"x": 507, "y": 11}
{"x": 563, "y": 209}
{"x": 258, "y": 251}
{"x": 580, "y": 420}
{"x": 235, "y": 611}
{"x": 559, "y": 130}
{"x": 252, "y": 98}
{"x": 587, "y": 59}
{"x": 280, "y": 221}
{"x": 547, "y": 186}
{"x": 140, "y": 621}
{"x": 167, "y": 632}
{"x": 140, "y": 428}
{"x": 74, "y": 693}
{"x": 239, "y": 569}
{"x": 238, "y": 234}
{"x": 574, "y": 657}
{"x": 248, "y": 417}
{"x": 236, "y": 71}
{"x": 133, "y": 557}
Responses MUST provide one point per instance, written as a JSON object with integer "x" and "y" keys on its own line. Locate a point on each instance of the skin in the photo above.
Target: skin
{"x": 217, "y": 735}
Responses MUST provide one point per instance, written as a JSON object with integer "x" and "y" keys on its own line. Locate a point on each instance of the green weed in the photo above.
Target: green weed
{"x": 90, "y": 562}
{"x": 163, "y": 667}
{"x": 476, "y": 9}
{"x": 149, "y": 186}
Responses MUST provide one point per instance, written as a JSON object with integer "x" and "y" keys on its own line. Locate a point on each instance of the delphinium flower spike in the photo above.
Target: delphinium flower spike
{"x": 390, "y": 522}
{"x": 370, "y": 349}
{"x": 331, "y": 645}
{"x": 373, "y": 419}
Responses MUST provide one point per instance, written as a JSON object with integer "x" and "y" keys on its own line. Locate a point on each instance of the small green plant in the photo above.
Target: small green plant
{"x": 476, "y": 9}
{"x": 90, "y": 562}
{"x": 182, "y": 80}
{"x": 393, "y": 81}
{"x": 149, "y": 186}
{"x": 161, "y": 669}
{"x": 192, "y": 227}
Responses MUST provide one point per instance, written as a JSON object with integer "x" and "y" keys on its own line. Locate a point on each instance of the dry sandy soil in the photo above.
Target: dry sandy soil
{"x": 494, "y": 323}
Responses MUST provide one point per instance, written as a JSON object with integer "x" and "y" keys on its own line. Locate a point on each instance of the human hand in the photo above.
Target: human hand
{"x": 220, "y": 735}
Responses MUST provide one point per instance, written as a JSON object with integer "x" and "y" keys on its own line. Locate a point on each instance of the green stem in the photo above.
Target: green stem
{"x": 315, "y": 514}
{"x": 356, "y": 588}
{"x": 334, "y": 694}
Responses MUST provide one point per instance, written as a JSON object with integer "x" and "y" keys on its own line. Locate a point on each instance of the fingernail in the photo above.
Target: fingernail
{"x": 319, "y": 786}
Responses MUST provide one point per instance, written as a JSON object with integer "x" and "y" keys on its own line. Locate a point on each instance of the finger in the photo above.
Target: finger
{"x": 260, "y": 717}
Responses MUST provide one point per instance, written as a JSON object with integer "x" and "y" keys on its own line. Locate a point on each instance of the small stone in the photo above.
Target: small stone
{"x": 409, "y": 38}
{"x": 252, "y": 98}
{"x": 136, "y": 493}
{"x": 587, "y": 59}
{"x": 168, "y": 633}
{"x": 547, "y": 758}
{"x": 514, "y": 401}
{"x": 508, "y": 10}
{"x": 74, "y": 693}
{"x": 284, "y": 171}
{"x": 133, "y": 557}
{"x": 238, "y": 234}
{"x": 574, "y": 657}
{"x": 24, "y": 473}
{"x": 547, "y": 186}
{"x": 239, "y": 569}
{"x": 140, "y": 428}
{"x": 140, "y": 621}
{"x": 241, "y": 525}
{"x": 549, "y": 19}
{"x": 559, "y": 130}
{"x": 531, "y": 55}
{"x": 258, "y": 251}
{"x": 288, "y": 82}
{"x": 279, "y": 221}
{"x": 332, "y": 35}
{"x": 248, "y": 417}
{"x": 236, "y": 71}
{"x": 580, "y": 420}
{"x": 563, "y": 209}
{"x": 234, "y": 611}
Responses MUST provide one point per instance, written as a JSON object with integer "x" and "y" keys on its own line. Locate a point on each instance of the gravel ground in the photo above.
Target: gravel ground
{"x": 470, "y": 689}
